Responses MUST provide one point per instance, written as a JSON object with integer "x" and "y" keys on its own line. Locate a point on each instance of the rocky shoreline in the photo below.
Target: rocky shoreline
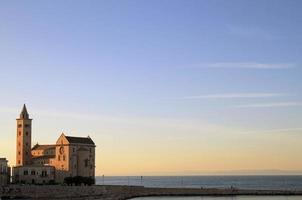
{"x": 121, "y": 192}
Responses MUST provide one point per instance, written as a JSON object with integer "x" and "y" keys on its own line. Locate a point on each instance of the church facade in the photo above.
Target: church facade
{"x": 68, "y": 157}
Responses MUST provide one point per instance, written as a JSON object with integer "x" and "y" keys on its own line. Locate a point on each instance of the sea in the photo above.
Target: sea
{"x": 240, "y": 182}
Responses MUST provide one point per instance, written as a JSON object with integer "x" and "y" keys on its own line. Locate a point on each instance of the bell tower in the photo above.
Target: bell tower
{"x": 23, "y": 154}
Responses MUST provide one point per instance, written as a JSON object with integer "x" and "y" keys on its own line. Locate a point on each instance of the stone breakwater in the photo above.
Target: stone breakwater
{"x": 120, "y": 192}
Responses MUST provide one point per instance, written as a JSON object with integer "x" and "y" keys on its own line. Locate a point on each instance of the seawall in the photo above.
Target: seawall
{"x": 120, "y": 192}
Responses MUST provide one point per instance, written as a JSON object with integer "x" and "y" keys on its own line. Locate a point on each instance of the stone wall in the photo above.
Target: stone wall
{"x": 33, "y": 174}
{"x": 120, "y": 192}
{"x": 4, "y": 172}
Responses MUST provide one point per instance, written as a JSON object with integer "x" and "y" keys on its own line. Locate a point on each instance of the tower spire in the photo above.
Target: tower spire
{"x": 24, "y": 114}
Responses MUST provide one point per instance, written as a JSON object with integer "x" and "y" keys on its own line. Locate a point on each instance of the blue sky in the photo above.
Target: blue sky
{"x": 229, "y": 63}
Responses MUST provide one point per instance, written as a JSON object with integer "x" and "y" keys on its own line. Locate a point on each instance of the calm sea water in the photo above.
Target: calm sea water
{"x": 225, "y": 198}
{"x": 241, "y": 182}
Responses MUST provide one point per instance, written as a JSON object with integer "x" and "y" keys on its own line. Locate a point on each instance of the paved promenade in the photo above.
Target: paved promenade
{"x": 120, "y": 192}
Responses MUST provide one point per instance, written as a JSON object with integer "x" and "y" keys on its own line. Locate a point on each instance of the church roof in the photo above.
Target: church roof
{"x": 79, "y": 140}
{"x": 43, "y": 147}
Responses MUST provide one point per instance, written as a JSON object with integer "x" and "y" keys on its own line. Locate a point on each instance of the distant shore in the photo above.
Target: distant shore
{"x": 123, "y": 192}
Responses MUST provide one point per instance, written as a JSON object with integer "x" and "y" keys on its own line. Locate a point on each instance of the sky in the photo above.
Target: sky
{"x": 163, "y": 87}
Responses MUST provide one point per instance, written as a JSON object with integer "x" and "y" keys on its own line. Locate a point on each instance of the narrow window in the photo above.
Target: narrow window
{"x": 25, "y": 172}
{"x": 19, "y": 133}
{"x": 26, "y": 133}
{"x": 59, "y": 158}
{"x": 33, "y": 172}
{"x": 64, "y": 158}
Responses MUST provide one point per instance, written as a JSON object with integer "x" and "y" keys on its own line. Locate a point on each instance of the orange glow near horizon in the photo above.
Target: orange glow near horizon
{"x": 132, "y": 146}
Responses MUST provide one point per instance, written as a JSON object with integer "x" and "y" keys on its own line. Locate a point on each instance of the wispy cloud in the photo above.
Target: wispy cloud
{"x": 248, "y": 65}
{"x": 237, "y": 95}
{"x": 270, "y": 105}
{"x": 280, "y": 130}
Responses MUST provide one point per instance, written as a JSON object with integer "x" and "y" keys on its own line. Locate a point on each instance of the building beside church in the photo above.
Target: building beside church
{"x": 68, "y": 157}
{"x": 4, "y": 172}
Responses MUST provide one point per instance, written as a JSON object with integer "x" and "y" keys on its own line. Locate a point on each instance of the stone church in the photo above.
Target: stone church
{"x": 68, "y": 157}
